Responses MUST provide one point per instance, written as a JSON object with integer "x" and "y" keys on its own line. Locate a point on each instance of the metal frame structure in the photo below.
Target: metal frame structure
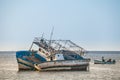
{"x": 53, "y": 46}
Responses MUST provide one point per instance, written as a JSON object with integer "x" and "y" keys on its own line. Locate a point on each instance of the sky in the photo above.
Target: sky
{"x": 92, "y": 24}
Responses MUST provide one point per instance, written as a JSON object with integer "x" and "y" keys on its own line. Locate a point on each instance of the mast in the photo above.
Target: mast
{"x": 50, "y": 39}
{"x": 51, "y": 36}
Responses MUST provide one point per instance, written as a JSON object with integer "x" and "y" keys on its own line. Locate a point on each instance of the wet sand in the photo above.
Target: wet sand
{"x": 9, "y": 71}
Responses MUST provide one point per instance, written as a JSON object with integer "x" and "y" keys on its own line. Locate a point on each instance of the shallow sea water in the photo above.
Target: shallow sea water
{"x": 9, "y": 71}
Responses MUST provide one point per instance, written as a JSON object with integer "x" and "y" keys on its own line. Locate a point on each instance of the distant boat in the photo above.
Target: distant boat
{"x": 52, "y": 55}
{"x": 103, "y": 62}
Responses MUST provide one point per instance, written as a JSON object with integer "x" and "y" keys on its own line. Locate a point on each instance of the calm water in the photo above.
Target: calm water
{"x": 9, "y": 71}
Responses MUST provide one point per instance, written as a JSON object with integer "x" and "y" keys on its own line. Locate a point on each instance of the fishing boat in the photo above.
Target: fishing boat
{"x": 104, "y": 62}
{"x": 52, "y": 55}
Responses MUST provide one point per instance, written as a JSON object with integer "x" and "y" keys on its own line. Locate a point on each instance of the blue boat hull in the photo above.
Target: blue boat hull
{"x": 27, "y": 59}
